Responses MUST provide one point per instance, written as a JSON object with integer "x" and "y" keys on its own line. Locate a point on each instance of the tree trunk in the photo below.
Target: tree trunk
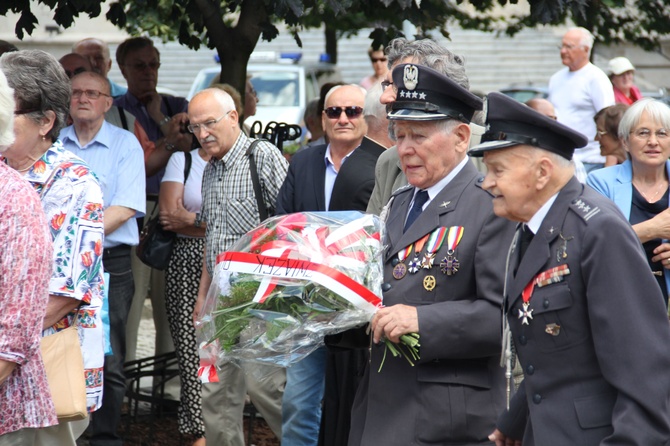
{"x": 331, "y": 42}
{"x": 234, "y": 45}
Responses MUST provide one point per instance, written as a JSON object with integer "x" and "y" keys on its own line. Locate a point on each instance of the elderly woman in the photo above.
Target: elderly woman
{"x": 639, "y": 186}
{"x": 72, "y": 201}
{"x": 607, "y": 134}
{"x": 25, "y": 269}
{"x": 622, "y": 75}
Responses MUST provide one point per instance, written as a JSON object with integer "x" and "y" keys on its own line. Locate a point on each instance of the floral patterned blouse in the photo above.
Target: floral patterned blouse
{"x": 25, "y": 247}
{"x": 72, "y": 201}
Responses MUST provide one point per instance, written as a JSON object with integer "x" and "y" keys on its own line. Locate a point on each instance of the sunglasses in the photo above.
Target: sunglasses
{"x": 351, "y": 112}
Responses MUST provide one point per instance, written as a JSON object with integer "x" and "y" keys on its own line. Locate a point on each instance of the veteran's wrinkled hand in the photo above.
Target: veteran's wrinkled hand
{"x": 501, "y": 439}
{"x": 393, "y": 322}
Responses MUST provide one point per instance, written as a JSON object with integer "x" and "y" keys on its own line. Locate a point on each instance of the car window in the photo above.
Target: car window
{"x": 275, "y": 88}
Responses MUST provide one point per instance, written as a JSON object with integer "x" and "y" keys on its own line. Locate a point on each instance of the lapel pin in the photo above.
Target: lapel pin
{"x": 445, "y": 204}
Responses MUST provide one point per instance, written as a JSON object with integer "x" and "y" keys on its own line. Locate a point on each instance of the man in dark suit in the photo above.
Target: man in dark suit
{"x": 332, "y": 177}
{"x": 446, "y": 287}
{"x": 585, "y": 312}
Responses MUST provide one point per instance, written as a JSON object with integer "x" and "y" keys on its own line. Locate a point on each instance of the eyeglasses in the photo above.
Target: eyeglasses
{"x": 351, "y": 112}
{"x": 601, "y": 133}
{"x": 386, "y": 84}
{"x": 378, "y": 59}
{"x": 141, "y": 66}
{"x": 645, "y": 134}
{"x": 251, "y": 91}
{"x": 74, "y": 72}
{"x": 91, "y": 94}
{"x": 207, "y": 125}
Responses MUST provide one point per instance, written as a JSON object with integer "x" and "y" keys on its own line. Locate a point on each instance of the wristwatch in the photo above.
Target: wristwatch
{"x": 164, "y": 121}
{"x": 198, "y": 220}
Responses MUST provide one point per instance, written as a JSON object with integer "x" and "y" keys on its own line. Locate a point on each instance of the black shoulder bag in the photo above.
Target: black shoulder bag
{"x": 155, "y": 247}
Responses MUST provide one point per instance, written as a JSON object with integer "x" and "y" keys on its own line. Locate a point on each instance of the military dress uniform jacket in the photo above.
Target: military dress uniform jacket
{"x": 596, "y": 353}
{"x": 450, "y": 397}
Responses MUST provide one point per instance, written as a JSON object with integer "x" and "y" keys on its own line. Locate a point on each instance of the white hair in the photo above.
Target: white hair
{"x": 337, "y": 87}
{"x": 6, "y": 113}
{"x": 586, "y": 38}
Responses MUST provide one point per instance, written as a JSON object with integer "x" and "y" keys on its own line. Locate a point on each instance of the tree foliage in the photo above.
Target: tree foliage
{"x": 233, "y": 27}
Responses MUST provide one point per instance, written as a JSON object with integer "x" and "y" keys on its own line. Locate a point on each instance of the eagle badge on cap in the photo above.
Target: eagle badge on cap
{"x": 411, "y": 77}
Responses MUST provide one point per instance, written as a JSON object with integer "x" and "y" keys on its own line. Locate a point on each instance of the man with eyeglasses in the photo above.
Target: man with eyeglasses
{"x": 329, "y": 177}
{"x": 164, "y": 119}
{"x": 97, "y": 52}
{"x": 230, "y": 209}
{"x": 443, "y": 273}
{"x": 116, "y": 158}
{"x": 579, "y": 91}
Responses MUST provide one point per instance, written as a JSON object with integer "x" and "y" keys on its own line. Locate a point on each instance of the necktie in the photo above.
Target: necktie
{"x": 525, "y": 237}
{"x": 417, "y": 207}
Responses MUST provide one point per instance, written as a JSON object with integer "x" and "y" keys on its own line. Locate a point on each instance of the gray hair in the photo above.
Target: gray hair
{"x": 656, "y": 110}
{"x": 445, "y": 126}
{"x": 337, "y": 87}
{"x": 40, "y": 85}
{"x": 372, "y": 105}
{"x": 431, "y": 54}
{"x": 6, "y": 113}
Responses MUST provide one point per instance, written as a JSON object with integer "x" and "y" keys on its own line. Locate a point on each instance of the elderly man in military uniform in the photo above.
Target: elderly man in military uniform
{"x": 443, "y": 273}
{"x": 585, "y": 312}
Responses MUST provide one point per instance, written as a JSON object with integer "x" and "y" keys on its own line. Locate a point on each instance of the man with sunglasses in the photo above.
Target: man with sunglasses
{"x": 443, "y": 271}
{"x": 330, "y": 177}
{"x": 115, "y": 156}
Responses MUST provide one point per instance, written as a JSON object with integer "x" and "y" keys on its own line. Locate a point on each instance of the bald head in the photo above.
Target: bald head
{"x": 542, "y": 106}
{"x": 97, "y": 53}
{"x": 74, "y": 64}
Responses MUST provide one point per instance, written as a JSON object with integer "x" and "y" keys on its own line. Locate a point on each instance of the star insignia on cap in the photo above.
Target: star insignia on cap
{"x": 402, "y": 93}
{"x": 422, "y": 96}
{"x": 415, "y": 95}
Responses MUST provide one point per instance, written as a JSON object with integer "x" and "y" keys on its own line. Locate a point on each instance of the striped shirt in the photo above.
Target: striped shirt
{"x": 228, "y": 200}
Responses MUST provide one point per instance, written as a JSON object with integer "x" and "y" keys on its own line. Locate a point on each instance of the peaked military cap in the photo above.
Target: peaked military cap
{"x": 511, "y": 123}
{"x": 428, "y": 95}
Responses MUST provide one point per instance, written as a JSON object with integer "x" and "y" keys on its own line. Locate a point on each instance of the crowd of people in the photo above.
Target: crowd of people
{"x": 560, "y": 231}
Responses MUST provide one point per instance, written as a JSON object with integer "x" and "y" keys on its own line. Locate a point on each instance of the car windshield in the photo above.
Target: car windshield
{"x": 276, "y": 89}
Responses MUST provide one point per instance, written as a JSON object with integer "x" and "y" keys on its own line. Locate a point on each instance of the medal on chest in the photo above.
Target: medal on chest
{"x": 450, "y": 264}
{"x": 434, "y": 243}
{"x": 415, "y": 264}
{"x": 552, "y": 275}
{"x": 400, "y": 269}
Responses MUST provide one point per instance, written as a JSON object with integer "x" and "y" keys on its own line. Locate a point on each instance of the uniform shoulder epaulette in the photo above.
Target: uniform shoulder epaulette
{"x": 585, "y": 209}
{"x": 401, "y": 189}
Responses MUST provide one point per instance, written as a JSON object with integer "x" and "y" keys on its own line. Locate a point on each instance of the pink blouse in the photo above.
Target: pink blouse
{"x": 25, "y": 269}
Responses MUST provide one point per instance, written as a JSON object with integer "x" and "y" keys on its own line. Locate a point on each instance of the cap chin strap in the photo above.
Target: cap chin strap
{"x": 512, "y": 137}
{"x": 429, "y": 107}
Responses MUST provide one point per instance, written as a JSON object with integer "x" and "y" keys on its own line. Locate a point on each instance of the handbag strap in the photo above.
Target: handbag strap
{"x": 187, "y": 165}
{"x": 262, "y": 210}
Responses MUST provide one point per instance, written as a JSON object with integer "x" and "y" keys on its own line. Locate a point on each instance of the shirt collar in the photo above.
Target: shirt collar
{"x": 536, "y": 220}
{"x": 329, "y": 160}
{"x": 234, "y": 154}
{"x": 437, "y": 187}
{"x": 103, "y": 137}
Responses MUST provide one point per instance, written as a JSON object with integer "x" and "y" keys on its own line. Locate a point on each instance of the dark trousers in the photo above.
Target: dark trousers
{"x": 106, "y": 420}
